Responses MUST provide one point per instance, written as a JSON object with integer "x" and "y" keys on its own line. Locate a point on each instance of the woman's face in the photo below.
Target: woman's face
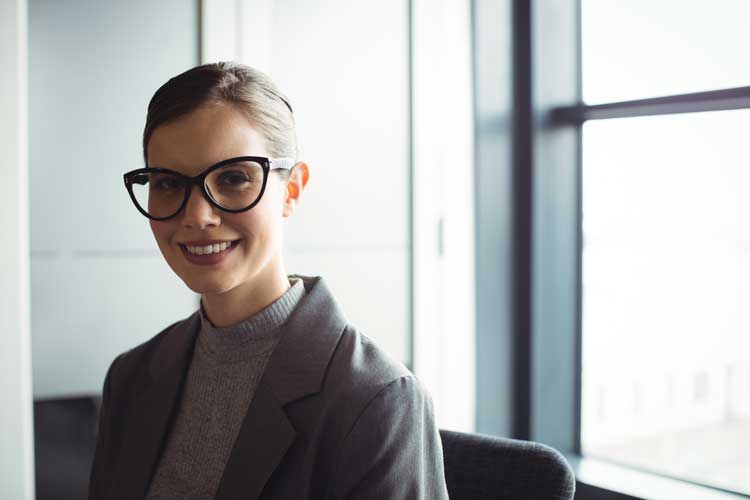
{"x": 189, "y": 145}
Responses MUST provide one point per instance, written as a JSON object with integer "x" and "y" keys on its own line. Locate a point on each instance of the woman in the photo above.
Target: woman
{"x": 266, "y": 391}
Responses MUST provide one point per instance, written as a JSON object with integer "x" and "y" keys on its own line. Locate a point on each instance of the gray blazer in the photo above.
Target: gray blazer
{"x": 333, "y": 416}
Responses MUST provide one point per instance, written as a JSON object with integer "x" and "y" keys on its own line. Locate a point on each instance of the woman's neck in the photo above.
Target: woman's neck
{"x": 241, "y": 302}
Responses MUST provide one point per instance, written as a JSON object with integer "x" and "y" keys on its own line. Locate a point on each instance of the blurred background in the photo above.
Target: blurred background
{"x": 537, "y": 206}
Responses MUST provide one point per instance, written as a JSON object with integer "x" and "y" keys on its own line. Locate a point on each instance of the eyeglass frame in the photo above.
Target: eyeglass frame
{"x": 200, "y": 180}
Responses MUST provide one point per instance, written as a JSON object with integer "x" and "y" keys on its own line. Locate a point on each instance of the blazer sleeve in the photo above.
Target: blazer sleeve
{"x": 393, "y": 450}
{"x": 97, "y": 477}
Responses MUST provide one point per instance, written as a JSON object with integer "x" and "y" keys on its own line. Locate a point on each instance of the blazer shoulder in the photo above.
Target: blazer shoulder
{"x": 360, "y": 369}
{"x": 133, "y": 360}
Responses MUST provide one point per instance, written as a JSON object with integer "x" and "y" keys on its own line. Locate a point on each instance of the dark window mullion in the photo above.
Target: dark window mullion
{"x": 523, "y": 218}
{"x": 714, "y": 100}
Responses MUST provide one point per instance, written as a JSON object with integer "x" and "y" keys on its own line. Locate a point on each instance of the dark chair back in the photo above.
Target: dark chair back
{"x": 64, "y": 442}
{"x": 479, "y": 467}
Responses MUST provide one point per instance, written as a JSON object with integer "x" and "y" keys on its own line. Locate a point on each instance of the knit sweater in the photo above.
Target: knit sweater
{"x": 226, "y": 367}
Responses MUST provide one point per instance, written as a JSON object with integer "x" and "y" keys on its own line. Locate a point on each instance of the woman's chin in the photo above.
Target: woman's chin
{"x": 203, "y": 287}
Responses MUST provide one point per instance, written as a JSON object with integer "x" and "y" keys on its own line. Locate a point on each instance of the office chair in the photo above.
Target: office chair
{"x": 479, "y": 467}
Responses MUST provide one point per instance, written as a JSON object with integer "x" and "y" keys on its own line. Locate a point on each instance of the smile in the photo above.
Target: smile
{"x": 209, "y": 249}
{"x": 208, "y": 254}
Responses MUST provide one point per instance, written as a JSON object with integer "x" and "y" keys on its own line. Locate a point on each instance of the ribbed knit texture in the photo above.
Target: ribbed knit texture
{"x": 227, "y": 364}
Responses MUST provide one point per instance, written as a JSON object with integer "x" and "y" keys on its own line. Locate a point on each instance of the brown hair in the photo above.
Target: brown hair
{"x": 250, "y": 90}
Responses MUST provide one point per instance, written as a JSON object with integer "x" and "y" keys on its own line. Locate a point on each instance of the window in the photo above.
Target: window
{"x": 666, "y": 242}
{"x": 637, "y": 49}
{"x": 611, "y": 248}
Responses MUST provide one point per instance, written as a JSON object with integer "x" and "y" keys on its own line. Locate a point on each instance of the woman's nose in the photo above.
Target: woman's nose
{"x": 198, "y": 212}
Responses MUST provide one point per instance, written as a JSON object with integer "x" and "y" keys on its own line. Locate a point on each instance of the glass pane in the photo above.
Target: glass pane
{"x": 666, "y": 295}
{"x": 643, "y": 48}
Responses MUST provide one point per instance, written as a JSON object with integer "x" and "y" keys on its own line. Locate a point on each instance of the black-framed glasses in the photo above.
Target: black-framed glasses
{"x": 233, "y": 185}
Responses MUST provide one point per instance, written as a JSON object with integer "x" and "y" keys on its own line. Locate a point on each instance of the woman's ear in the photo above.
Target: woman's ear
{"x": 296, "y": 183}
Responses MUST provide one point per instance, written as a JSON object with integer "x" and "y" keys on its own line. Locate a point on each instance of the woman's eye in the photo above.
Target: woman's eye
{"x": 164, "y": 183}
{"x": 233, "y": 178}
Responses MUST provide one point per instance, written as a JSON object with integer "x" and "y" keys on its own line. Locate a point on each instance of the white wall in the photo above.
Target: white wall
{"x": 346, "y": 69}
{"x": 99, "y": 285}
{"x": 16, "y": 416}
{"x": 344, "y": 66}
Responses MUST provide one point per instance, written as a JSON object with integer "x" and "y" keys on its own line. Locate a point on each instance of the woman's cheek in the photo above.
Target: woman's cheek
{"x": 160, "y": 230}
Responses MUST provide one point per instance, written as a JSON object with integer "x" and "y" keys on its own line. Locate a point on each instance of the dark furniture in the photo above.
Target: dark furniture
{"x": 479, "y": 467}
{"x": 64, "y": 442}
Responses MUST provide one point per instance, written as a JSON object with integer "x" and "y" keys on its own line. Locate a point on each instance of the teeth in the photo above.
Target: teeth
{"x": 209, "y": 249}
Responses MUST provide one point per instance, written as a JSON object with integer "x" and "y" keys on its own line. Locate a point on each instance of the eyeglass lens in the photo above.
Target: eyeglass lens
{"x": 233, "y": 186}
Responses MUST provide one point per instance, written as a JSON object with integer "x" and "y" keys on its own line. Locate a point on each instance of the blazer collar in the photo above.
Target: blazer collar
{"x": 297, "y": 365}
{"x": 296, "y": 369}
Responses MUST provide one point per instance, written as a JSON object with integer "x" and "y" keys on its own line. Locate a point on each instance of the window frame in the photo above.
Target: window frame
{"x": 528, "y": 171}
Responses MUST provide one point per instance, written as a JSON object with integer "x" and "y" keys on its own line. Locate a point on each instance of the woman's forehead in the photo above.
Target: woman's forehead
{"x": 204, "y": 137}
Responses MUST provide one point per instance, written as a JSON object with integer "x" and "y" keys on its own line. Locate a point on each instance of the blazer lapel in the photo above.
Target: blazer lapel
{"x": 147, "y": 421}
{"x": 263, "y": 440}
{"x": 296, "y": 369}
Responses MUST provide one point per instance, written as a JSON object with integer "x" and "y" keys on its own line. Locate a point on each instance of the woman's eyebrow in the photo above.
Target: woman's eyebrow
{"x": 173, "y": 169}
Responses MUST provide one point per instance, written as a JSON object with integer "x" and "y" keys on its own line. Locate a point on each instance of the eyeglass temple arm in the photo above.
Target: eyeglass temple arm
{"x": 281, "y": 163}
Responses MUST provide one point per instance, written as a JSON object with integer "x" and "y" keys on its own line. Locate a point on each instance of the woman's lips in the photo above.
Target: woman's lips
{"x": 209, "y": 259}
